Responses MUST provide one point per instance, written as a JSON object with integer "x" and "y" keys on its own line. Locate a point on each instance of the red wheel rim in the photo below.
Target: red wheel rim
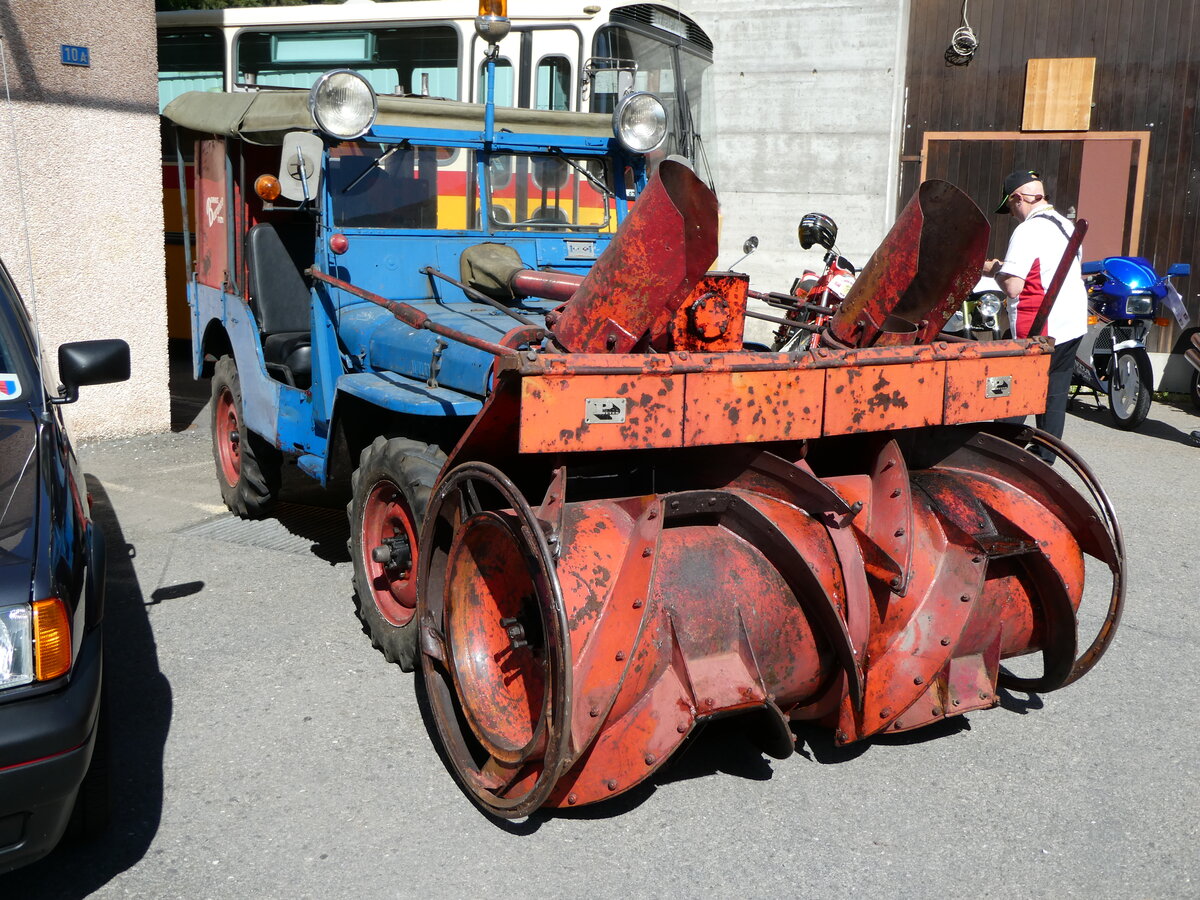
{"x": 388, "y": 521}
{"x": 229, "y": 437}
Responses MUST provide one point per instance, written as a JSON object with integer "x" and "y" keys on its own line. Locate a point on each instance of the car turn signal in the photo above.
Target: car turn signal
{"x": 51, "y": 639}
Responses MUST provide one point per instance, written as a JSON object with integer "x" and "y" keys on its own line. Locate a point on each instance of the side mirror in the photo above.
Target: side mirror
{"x": 1179, "y": 269}
{"x": 90, "y": 362}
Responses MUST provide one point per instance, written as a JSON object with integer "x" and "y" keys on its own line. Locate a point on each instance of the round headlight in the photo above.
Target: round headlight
{"x": 989, "y": 304}
{"x": 640, "y": 122}
{"x": 343, "y": 104}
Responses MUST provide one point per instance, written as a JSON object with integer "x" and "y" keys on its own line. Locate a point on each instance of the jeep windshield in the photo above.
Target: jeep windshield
{"x": 409, "y": 187}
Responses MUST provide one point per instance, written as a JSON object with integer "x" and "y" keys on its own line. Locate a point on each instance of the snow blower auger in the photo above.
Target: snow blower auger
{"x": 648, "y": 526}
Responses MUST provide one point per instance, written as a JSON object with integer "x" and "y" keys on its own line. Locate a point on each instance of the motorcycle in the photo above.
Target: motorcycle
{"x": 1124, "y": 298}
{"x": 983, "y": 316}
{"x": 814, "y": 297}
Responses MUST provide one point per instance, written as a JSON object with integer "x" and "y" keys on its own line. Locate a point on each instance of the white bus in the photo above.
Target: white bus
{"x": 557, "y": 56}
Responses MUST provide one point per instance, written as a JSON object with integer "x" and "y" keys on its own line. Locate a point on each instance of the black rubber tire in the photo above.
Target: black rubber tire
{"x": 1141, "y": 406}
{"x": 1194, "y": 390}
{"x": 248, "y": 468}
{"x": 408, "y": 470}
{"x": 89, "y": 816}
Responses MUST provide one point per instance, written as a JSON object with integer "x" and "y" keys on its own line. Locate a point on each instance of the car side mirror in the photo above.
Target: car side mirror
{"x": 90, "y": 362}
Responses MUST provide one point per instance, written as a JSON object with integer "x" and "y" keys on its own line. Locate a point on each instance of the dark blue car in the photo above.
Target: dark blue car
{"x": 52, "y": 736}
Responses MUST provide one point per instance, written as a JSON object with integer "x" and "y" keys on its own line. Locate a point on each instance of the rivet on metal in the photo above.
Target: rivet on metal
{"x": 572, "y": 799}
{"x": 918, "y": 680}
{"x": 937, "y": 710}
{"x": 895, "y": 493}
{"x": 965, "y": 598}
{"x": 611, "y": 784}
{"x": 653, "y": 514}
{"x": 977, "y": 559}
{"x": 620, "y": 655}
{"x": 650, "y": 759}
{"x": 841, "y": 735}
{"x": 637, "y": 604}
{"x": 899, "y": 532}
{"x": 593, "y": 712}
{"x": 896, "y": 582}
{"x": 983, "y": 695}
{"x": 646, "y": 551}
{"x": 945, "y": 642}
{"x": 956, "y": 702}
{"x": 885, "y": 712}
{"x": 681, "y": 727}
{"x": 674, "y": 504}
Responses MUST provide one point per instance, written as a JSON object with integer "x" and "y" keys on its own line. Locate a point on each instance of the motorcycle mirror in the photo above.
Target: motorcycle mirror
{"x": 750, "y": 245}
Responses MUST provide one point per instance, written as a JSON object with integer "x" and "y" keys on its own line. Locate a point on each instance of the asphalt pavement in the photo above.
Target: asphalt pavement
{"x": 263, "y": 749}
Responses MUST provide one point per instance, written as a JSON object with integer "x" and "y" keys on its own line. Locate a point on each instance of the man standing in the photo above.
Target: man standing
{"x": 1034, "y": 253}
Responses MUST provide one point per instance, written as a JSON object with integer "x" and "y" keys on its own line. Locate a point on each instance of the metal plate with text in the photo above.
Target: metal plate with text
{"x": 605, "y": 410}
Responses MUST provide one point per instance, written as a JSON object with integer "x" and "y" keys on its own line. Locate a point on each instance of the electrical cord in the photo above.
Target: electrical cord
{"x": 963, "y": 43}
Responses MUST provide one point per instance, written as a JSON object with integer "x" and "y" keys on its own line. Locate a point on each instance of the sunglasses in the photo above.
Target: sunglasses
{"x": 1026, "y": 198}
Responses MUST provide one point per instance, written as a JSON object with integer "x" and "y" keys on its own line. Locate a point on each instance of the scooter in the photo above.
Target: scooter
{"x": 1124, "y": 297}
{"x": 983, "y": 316}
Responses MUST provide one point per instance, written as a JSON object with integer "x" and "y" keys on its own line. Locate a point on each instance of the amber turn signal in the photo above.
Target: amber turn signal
{"x": 267, "y": 187}
{"x": 493, "y": 8}
{"x": 51, "y": 639}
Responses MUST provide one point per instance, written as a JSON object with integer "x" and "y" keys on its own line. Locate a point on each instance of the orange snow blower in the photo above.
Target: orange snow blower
{"x": 648, "y": 526}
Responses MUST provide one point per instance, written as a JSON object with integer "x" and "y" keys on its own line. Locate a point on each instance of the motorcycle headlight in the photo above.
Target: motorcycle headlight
{"x": 343, "y": 104}
{"x": 640, "y": 122}
{"x": 16, "y": 646}
{"x": 1139, "y": 305}
{"x": 989, "y": 304}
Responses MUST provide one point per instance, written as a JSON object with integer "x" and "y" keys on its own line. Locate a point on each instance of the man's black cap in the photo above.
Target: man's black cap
{"x": 1015, "y": 180}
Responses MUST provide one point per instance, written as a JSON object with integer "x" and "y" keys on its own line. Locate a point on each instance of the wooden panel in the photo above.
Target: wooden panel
{"x": 881, "y": 398}
{"x": 1147, "y": 76}
{"x": 742, "y": 407}
{"x": 1058, "y": 94}
{"x": 968, "y": 398}
{"x": 647, "y": 412}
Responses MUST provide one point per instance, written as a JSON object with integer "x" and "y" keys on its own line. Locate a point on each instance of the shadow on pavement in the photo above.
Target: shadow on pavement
{"x": 1085, "y": 409}
{"x": 189, "y": 397}
{"x": 140, "y": 709}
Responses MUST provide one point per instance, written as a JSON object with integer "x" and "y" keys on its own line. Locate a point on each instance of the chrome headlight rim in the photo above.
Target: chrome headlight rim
{"x": 990, "y": 304}
{"x": 637, "y": 103}
{"x": 319, "y": 97}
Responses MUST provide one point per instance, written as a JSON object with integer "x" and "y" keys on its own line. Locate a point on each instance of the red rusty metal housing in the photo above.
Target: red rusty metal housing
{"x": 648, "y": 527}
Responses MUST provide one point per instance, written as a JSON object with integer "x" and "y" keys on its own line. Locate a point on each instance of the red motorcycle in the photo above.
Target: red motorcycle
{"x": 816, "y": 296}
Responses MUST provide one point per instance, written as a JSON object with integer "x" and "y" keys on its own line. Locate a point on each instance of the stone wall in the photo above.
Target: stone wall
{"x": 81, "y": 194}
{"x": 808, "y": 103}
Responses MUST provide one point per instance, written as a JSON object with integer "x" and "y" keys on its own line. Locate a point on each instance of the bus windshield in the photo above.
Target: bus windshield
{"x": 408, "y": 60}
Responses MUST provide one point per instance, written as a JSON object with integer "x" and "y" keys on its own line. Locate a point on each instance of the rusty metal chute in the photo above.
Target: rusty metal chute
{"x": 628, "y": 543}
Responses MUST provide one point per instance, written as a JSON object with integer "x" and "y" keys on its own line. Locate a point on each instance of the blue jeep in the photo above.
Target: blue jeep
{"x": 357, "y": 267}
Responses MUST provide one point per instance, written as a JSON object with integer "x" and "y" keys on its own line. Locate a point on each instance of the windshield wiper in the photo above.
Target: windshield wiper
{"x": 375, "y": 164}
{"x": 591, "y": 179}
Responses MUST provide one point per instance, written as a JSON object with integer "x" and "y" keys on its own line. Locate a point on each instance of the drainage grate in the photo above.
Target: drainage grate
{"x": 292, "y": 528}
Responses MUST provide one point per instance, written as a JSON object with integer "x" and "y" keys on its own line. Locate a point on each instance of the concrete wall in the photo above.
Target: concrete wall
{"x": 808, "y": 103}
{"x": 88, "y": 200}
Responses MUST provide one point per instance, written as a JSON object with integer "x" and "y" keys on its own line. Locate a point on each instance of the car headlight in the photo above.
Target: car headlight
{"x": 989, "y": 304}
{"x": 640, "y": 122}
{"x": 1139, "y": 305}
{"x": 16, "y": 645}
{"x": 343, "y": 104}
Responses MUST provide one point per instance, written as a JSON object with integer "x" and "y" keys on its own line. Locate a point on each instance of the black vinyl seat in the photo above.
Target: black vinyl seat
{"x": 280, "y": 299}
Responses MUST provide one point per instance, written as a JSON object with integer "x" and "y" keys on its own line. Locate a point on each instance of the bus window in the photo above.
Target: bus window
{"x": 505, "y": 86}
{"x": 554, "y": 83}
{"x": 189, "y": 61}
{"x": 393, "y": 60}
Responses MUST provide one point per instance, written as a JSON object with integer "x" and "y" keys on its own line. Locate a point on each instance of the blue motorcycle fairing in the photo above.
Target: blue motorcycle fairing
{"x": 1129, "y": 275}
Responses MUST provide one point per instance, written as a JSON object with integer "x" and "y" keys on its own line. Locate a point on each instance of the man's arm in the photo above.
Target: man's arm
{"x": 1012, "y": 285}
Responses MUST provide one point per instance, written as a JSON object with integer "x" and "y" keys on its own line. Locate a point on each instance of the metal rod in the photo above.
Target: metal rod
{"x": 410, "y": 315}
{"x": 478, "y": 295}
{"x": 791, "y": 323}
